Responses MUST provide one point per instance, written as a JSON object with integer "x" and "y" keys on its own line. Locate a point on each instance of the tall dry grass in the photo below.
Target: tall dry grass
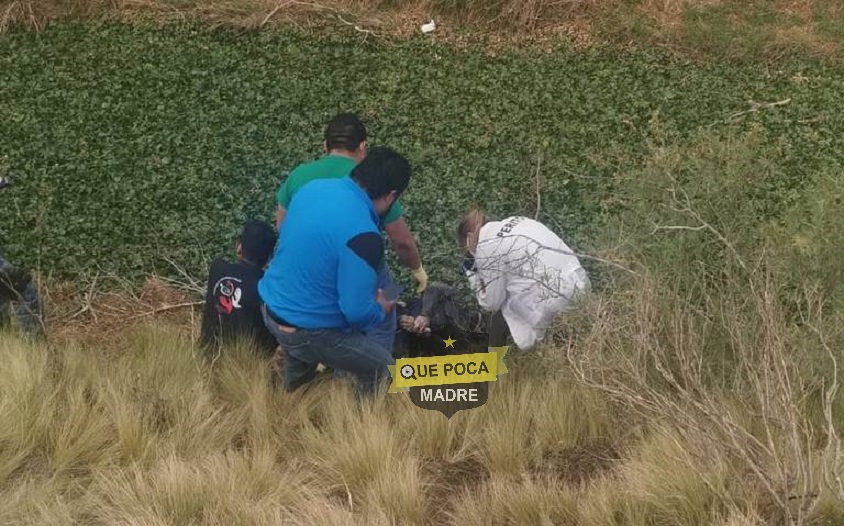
{"x": 158, "y": 434}
{"x": 730, "y": 332}
{"x": 755, "y": 29}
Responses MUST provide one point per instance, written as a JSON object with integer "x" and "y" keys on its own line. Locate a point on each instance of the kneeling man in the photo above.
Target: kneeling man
{"x": 320, "y": 290}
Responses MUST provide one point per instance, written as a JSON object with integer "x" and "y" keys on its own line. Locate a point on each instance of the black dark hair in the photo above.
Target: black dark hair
{"x": 345, "y": 132}
{"x": 257, "y": 241}
{"x": 382, "y": 171}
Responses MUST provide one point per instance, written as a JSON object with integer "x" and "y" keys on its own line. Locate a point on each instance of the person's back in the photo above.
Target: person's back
{"x": 232, "y": 312}
{"x": 524, "y": 272}
{"x": 302, "y": 285}
{"x": 531, "y": 253}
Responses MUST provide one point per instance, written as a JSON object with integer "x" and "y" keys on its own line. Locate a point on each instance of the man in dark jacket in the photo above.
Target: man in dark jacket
{"x": 19, "y": 293}
{"x": 232, "y": 310}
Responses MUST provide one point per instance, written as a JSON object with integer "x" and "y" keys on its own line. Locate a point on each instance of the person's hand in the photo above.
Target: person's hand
{"x": 417, "y": 325}
{"x": 421, "y": 325}
{"x": 382, "y": 300}
{"x": 406, "y": 322}
{"x": 421, "y": 277}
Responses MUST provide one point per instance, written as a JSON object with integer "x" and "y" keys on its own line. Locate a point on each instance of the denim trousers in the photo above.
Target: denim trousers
{"x": 385, "y": 332}
{"x": 351, "y": 352}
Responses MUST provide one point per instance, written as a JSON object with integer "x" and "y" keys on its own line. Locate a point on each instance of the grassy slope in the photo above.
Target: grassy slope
{"x": 698, "y": 391}
{"x": 154, "y": 435}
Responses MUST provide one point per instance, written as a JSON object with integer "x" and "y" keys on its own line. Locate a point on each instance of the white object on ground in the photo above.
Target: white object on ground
{"x": 429, "y": 27}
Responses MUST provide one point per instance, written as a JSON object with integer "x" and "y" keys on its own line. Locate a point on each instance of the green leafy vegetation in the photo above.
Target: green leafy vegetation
{"x": 133, "y": 146}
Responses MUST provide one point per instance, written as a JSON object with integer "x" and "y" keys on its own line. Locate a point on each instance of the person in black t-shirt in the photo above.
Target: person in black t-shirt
{"x": 232, "y": 307}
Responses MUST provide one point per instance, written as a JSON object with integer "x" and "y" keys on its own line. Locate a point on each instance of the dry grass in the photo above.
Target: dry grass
{"x": 733, "y": 28}
{"x": 156, "y": 434}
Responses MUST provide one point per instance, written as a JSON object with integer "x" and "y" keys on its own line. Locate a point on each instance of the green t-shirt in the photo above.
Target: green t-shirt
{"x": 328, "y": 167}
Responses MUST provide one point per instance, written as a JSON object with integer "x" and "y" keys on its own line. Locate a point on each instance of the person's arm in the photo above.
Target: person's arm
{"x": 282, "y": 201}
{"x": 404, "y": 243}
{"x": 280, "y": 214}
{"x": 210, "y": 320}
{"x": 357, "y": 279}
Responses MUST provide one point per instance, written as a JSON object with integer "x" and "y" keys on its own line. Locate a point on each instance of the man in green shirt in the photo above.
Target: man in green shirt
{"x": 345, "y": 146}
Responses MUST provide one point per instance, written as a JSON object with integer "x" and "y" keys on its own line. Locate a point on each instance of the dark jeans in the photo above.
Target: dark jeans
{"x": 351, "y": 352}
{"x": 498, "y": 330}
{"x": 385, "y": 332}
{"x": 18, "y": 293}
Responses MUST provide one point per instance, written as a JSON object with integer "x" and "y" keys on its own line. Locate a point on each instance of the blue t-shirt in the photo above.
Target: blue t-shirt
{"x": 324, "y": 273}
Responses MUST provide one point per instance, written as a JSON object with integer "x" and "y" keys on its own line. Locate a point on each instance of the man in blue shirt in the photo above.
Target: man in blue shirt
{"x": 320, "y": 290}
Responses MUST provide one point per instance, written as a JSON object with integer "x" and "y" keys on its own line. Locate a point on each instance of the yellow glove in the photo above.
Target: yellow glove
{"x": 421, "y": 277}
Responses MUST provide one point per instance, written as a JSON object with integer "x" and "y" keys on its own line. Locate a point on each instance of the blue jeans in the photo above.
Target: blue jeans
{"x": 350, "y": 352}
{"x": 384, "y": 334}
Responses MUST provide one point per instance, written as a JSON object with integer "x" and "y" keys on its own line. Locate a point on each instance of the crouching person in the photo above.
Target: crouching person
{"x": 522, "y": 272}
{"x": 19, "y": 294}
{"x": 232, "y": 310}
{"x": 320, "y": 290}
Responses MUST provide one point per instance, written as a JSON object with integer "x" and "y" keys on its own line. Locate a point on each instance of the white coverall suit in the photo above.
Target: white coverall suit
{"x": 528, "y": 273}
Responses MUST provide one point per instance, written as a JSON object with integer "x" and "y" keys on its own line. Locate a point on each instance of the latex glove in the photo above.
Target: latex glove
{"x": 421, "y": 277}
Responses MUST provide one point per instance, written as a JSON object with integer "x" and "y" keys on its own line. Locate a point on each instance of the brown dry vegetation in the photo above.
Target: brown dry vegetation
{"x": 730, "y": 28}
{"x": 142, "y": 429}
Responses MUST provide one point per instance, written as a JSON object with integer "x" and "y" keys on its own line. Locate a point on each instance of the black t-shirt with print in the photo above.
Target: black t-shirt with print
{"x": 233, "y": 308}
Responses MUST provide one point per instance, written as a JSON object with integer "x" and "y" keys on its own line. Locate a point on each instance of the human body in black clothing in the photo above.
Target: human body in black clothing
{"x": 438, "y": 314}
{"x": 232, "y": 310}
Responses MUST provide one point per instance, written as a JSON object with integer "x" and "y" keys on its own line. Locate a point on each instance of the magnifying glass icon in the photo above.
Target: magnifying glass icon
{"x": 407, "y": 372}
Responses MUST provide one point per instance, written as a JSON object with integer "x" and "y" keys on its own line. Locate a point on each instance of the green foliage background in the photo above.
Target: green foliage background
{"x": 133, "y": 145}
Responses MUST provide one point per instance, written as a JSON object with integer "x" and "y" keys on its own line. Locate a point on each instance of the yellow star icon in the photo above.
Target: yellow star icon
{"x": 449, "y": 342}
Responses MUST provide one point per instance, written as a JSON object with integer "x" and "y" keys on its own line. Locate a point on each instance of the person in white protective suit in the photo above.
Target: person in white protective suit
{"x": 523, "y": 272}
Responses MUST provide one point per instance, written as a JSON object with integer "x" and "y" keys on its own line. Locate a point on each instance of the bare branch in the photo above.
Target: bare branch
{"x": 167, "y": 308}
{"x": 273, "y": 12}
